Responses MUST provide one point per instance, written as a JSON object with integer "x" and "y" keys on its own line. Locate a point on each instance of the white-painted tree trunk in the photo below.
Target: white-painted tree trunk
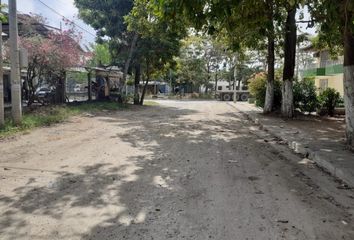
{"x": 269, "y": 100}
{"x": 287, "y": 105}
{"x": 349, "y": 103}
{"x": 349, "y": 79}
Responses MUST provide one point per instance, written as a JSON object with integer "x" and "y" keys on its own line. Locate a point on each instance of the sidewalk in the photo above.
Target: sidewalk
{"x": 321, "y": 140}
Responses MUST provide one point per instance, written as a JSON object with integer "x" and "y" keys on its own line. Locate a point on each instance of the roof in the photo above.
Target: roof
{"x": 33, "y": 25}
{"x": 30, "y": 25}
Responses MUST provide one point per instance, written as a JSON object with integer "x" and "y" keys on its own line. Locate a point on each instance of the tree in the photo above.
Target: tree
{"x": 107, "y": 17}
{"x": 336, "y": 20}
{"x": 269, "y": 98}
{"x": 101, "y": 55}
{"x": 49, "y": 58}
{"x": 246, "y": 24}
{"x": 191, "y": 71}
{"x": 158, "y": 42}
{"x": 287, "y": 106}
{"x": 200, "y": 58}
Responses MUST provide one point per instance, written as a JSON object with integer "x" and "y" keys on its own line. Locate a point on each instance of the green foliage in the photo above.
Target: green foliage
{"x": 340, "y": 103}
{"x": 191, "y": 71}
{"x": 3, "y": 17}
{"x": 203, "y": 96}
{"x": 201, "y": 60}
{"x": 329, "y": 99}
{"x": 130, "y": 82}
{"x": 107, "y": 17}
{"x": 76, "y": 77}
{"x": 242, "y": 24}
{"x": 101, "y": 55}
{"x": 159, "y": 43}
{"x": 151, "y": 103}
{"x": 332, "y": 17}
{"x": 305, "y": 97}
{"x": 257, "y": 86}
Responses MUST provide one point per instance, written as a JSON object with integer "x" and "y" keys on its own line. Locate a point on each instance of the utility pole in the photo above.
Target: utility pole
{"x": 16, "y": 107}
{"x": 2, "y": 110}
{"x": 235, "y": 78}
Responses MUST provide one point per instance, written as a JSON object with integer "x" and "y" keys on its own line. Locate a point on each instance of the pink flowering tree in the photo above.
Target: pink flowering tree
{"x": 49, "y": 58}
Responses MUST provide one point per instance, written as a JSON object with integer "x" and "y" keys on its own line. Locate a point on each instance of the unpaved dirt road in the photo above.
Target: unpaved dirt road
{"x": 180, "y": 170}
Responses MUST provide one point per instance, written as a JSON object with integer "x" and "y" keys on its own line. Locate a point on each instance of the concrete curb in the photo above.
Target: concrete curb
{"x": 339, "y": 172}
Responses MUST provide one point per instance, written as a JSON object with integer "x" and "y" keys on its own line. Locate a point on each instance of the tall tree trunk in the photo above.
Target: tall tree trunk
{"x": 216, "y": 84}
{"x": 147, "y": 81}
{"x": 89, "y": 85}
{"x": 60, "y": 90}
{"x": 127, "y": 64}
{"x": 349, "y": 80}
{"x": 136, "y": 84}
{"x": 287, "y": 108}
{"x": 269, "y": 99}
{"x": 2, "y": 111}
{"x": 144, "y": 91}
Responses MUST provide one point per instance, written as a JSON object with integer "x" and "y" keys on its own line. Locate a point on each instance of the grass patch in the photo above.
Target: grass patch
{"x": 151, "y": 103}
{"x": 46, "y": 116}
{"x": 96, "y": 107}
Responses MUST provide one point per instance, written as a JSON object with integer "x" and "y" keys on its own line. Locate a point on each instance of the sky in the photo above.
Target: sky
{"x": 63, "y": 7}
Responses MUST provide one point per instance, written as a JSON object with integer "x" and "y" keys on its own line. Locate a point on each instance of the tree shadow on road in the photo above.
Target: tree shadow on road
{"x": 153, "y": 194}
{"x": 158, "y": 175}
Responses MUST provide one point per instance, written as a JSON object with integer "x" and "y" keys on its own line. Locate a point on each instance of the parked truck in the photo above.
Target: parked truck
{"x": 226, "y": 92}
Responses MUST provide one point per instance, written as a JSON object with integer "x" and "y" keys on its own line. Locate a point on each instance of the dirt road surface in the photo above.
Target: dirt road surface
{"x": 180, "y": 170}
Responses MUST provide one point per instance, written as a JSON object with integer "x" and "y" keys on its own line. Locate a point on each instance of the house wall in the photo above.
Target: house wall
{"x": 334, "y": 81}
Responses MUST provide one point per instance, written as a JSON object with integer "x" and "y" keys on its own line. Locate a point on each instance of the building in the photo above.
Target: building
{"x": 28, "y": 26}
{"x": 327, "y": 72}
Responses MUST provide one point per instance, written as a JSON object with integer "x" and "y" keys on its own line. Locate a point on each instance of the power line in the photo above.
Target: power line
{"x": 56, "y": 12}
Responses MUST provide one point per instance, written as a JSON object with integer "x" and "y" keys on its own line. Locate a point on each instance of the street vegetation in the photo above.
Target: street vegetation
{"x": 152, "y": 39}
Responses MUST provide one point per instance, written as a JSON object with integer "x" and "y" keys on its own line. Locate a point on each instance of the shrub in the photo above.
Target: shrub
{"x": 258, "y": 86}
{"x": 329, "y": 99}
{"x": 202, "y": 96}
{"x": 340, "y": 103}
{"x": 130, "y": 82}
{"x": 305, "y": 97}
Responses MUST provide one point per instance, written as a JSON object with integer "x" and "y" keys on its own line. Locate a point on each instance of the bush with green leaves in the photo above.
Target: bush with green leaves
{"x": 329, "y": 99}
{"x": 258, "y": 86}
{"x": 130, "y": 82}
{"x": 305, "y": 97}
{"x": 340, "y": 103}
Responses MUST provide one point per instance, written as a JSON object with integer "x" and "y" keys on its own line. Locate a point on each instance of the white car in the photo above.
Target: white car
{"x": 77, "y": 88}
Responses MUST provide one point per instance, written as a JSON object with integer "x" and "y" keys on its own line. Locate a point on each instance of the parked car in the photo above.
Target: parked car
{"x": 77, "y": 88}
{"x": 44, "y": 95}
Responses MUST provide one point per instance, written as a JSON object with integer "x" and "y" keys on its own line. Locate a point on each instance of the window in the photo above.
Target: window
{"x": 323, "y": 84}
{"x": 219, "y": 88}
